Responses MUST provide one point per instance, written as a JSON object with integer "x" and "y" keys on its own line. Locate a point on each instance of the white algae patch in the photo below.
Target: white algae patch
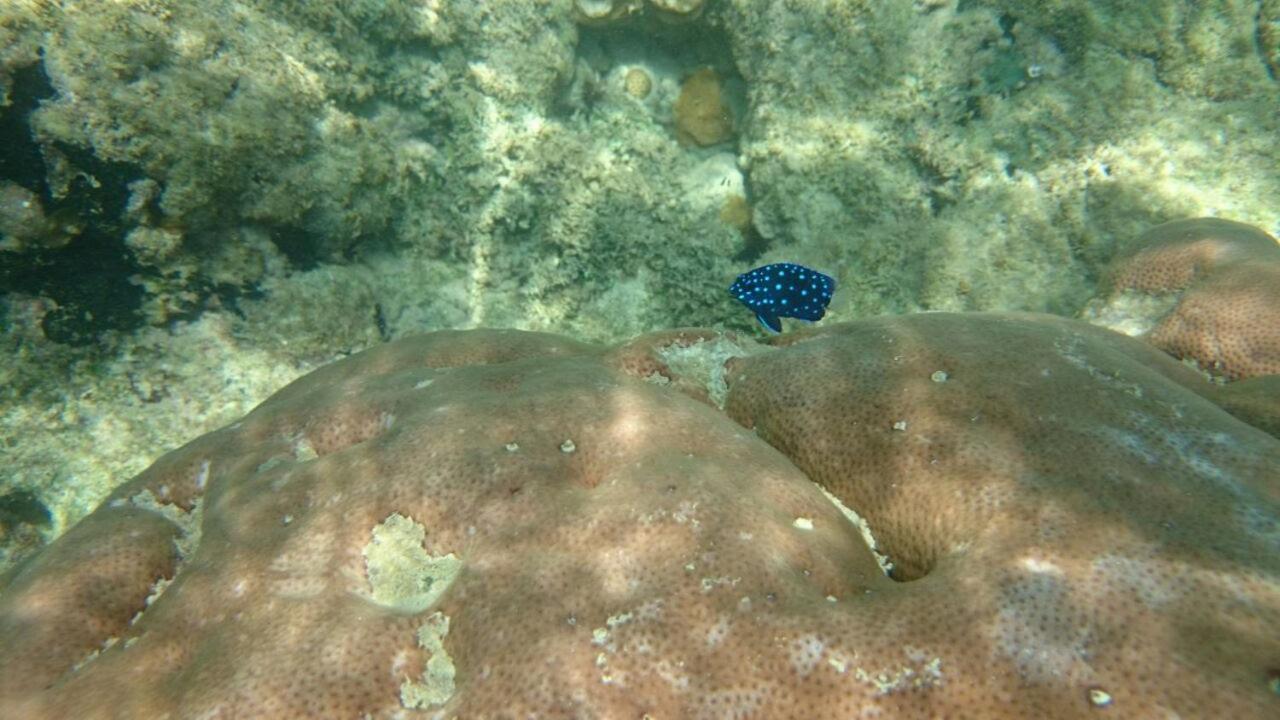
{"x": 435, "y": 687}
{"x": 402, "y": 574}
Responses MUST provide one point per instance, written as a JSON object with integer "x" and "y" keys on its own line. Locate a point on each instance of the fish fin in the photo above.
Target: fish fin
{"x": 771, "y": 322}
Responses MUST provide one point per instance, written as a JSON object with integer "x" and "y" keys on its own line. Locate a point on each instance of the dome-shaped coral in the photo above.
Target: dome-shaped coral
{"x": 493, "y": 524}
{"x": 1221, "y": 284}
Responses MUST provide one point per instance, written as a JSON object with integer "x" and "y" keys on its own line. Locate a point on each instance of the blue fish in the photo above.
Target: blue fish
{"x": 784, "y": 290}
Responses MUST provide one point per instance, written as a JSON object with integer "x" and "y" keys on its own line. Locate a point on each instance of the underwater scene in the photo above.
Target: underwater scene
{"x": 640, "y": 359}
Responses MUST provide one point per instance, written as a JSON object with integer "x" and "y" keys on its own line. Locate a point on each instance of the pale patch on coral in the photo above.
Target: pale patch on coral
{"x": 703, "y": 362}
{"x": 436, "y": 684}
{"x": 921, "y": 674}
{"x": 805, "y": 652}
{"x": 402, "y": 574}
{"x": 186, "y": 541}
{"x": 864, "y": 529}
{"x": 188, "y": 522}
{"x": 1133, "y": 313}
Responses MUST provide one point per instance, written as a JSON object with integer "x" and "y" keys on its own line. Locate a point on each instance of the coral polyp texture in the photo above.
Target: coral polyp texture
{"x": 1205, "y": 289}
{"x": 1256, "y": 401}
{"x": 492, "y": 524}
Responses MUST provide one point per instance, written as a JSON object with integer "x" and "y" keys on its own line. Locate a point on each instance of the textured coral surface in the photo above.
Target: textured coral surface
{"x": 1256, "y": 401}
{"x": 311, "y": 178}
{"x": 1225, "y": 279}
{"x": 1071, "y": 529}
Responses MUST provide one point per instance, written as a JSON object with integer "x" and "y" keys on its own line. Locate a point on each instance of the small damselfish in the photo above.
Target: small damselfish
{"x": 783, "y": 290}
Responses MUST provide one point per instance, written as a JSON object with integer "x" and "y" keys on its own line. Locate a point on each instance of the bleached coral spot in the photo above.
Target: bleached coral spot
{"x": 805, "y": 652}
{"x": 402, "y": 574}
{"x": 435, "y": 686}
{"x": 718, "y": 632}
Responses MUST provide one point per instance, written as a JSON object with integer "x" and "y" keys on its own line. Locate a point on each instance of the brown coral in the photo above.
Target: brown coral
{"x": 1255, "y": 401}
{"x": 1226, "y": 276}
{"x": 1065, "y": 482}
{"x": 571, "y": 535}
{"x": 702, "y": 115}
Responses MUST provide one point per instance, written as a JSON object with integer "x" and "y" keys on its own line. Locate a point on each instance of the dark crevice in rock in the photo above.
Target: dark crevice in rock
{"x": 87, "y": 273}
